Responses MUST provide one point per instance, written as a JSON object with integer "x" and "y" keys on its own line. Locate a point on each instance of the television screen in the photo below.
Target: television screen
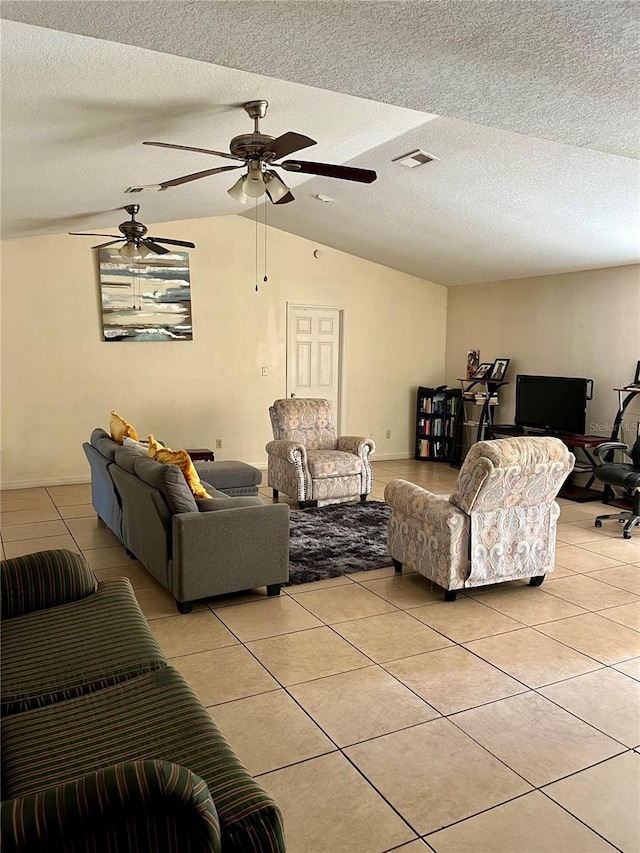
{"x": 552, "y": 403}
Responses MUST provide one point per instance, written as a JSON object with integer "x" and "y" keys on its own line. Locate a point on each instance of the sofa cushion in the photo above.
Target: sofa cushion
{"x": 76, "y": 648}
{"x": 119, "y": 428}
{"x": 169, "y": 480}
{"x": 332, "y": 463}
{"x": 182, "y": 459}
{"x": 104, "y": 444}
{"x": 126, "y": 458}
{"x": 156, "y": 715}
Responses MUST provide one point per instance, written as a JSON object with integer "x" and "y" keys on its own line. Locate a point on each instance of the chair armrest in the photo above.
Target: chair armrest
{"x": 291, "y": 451}
{"x": 120, "y": 807}
{"x": 610, "y": 446}
{"x": 411, "y": 500}
{"x": 356, "y": 444}
{"x": 228, "y": 550}
{"x": 44, "y": 579}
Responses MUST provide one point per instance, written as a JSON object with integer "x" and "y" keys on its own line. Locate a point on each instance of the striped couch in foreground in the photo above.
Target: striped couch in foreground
{"x": 105, "y": 747}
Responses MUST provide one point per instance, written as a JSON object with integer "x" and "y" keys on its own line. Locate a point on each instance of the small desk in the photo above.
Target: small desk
{"x": 583, "y": 443}
{"x": 202, "y": 454}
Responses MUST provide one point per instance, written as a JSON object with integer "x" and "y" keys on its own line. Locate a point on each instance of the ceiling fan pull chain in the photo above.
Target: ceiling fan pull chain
{"x": 265, "y": 279}
{"x": 255, "y": 211}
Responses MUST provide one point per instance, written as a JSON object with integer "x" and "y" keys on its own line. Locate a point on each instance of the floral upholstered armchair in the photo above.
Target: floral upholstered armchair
{"x": 498, "y": 525}
{"x": 308, "y": 461}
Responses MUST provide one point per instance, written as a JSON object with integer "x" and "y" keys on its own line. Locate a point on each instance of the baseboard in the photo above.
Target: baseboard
{"x": 390, "y": 457}
{"x": 49, "y": 481}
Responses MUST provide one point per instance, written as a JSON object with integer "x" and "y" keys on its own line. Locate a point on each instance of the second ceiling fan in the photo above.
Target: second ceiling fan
{"x": 257, "y": 152}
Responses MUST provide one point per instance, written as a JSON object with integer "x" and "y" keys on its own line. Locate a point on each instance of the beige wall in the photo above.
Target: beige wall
{"x": 576, "y": 324}
{"x": 60, "y": 379}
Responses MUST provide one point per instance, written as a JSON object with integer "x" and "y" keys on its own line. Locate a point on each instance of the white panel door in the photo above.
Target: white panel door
{"x": 314, "y": 353}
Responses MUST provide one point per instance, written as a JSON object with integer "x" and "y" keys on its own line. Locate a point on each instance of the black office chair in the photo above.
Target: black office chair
{"x": 620, "y": 477}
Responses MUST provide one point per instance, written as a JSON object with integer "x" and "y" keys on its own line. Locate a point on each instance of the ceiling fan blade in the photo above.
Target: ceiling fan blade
{"x": 285, "y": 199}
{"x": 287, "y": 144}
{"x": 171, "y": 242}
{"x": 329, "y": 170}
{"x": 190, "y": 148}
{"x": 196, "y": 176}
{"x": 155, "y": 247}
{"x": 104, "y": 245}
{"x": 79, "y": 234}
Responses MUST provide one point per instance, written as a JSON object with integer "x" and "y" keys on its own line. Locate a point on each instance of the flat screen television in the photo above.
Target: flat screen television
{"x": 552, "y": 403}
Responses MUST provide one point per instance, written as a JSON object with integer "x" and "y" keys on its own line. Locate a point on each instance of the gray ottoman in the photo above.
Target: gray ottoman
{"x": 231, "y": 477}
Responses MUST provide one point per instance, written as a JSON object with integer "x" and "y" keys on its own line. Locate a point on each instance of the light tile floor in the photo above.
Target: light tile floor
{"x": 382, "y": 718}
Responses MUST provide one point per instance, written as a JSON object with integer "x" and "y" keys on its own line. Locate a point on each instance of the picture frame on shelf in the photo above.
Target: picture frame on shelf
{"x": 473, "y": 361}
{"x": 499, "y": 369}
{"x": 483, "y": 370}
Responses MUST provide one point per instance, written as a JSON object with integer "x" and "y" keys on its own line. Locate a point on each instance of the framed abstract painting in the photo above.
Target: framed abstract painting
{"x": 147, "y": 299}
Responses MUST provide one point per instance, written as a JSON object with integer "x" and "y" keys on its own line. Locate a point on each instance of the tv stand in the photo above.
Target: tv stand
{"x": 569, "y": 490}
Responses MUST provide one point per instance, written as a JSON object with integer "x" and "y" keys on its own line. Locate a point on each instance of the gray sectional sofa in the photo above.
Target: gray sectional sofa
{"x": 106, "y": 749}
{"x": 195, "y": 549}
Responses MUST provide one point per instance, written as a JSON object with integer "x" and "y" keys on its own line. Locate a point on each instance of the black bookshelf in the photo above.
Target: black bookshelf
{"x": 436, "y": 415}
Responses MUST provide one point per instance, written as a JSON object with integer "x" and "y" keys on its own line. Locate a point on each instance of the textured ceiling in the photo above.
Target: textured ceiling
{"x": 538, "y": 104}
{"x": 562, "y": 69}
{"x": 497, "y": 206}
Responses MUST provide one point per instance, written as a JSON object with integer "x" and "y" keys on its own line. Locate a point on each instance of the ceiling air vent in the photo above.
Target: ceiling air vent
{"x": 414, "y": 158}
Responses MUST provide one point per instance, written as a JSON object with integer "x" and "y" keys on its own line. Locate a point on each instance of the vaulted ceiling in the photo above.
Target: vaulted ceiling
{"x": 531, "y": 108}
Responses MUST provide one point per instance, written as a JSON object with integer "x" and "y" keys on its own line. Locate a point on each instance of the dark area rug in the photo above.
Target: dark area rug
{"x": 334, "y": 540}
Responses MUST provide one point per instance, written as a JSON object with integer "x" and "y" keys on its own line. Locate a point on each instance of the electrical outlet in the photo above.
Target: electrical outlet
{"x": 265, "y": 371}
{"x": 218, "y": 443}
{"x": 388, "y": 434}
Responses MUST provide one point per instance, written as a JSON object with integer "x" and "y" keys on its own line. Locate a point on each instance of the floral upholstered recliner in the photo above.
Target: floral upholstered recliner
{"x": 498, "y": 525}
{"x": 308, "y": 461}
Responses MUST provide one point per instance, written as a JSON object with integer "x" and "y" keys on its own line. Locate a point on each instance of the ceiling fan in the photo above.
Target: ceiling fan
{"x": 136, "y": 242}
{"x": 257, "y": 153}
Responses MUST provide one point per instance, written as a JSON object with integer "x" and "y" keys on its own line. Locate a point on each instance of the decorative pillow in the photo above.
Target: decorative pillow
{"x": 154, "y": 446}
{"x": 182, "y": 459}
{"x": 120, "y": 428}
{"x": 140, "y": 447}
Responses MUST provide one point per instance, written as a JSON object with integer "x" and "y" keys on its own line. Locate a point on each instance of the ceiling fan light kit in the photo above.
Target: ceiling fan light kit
{"x": 130, "y": 250}
{"x": 237, "y": 192}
